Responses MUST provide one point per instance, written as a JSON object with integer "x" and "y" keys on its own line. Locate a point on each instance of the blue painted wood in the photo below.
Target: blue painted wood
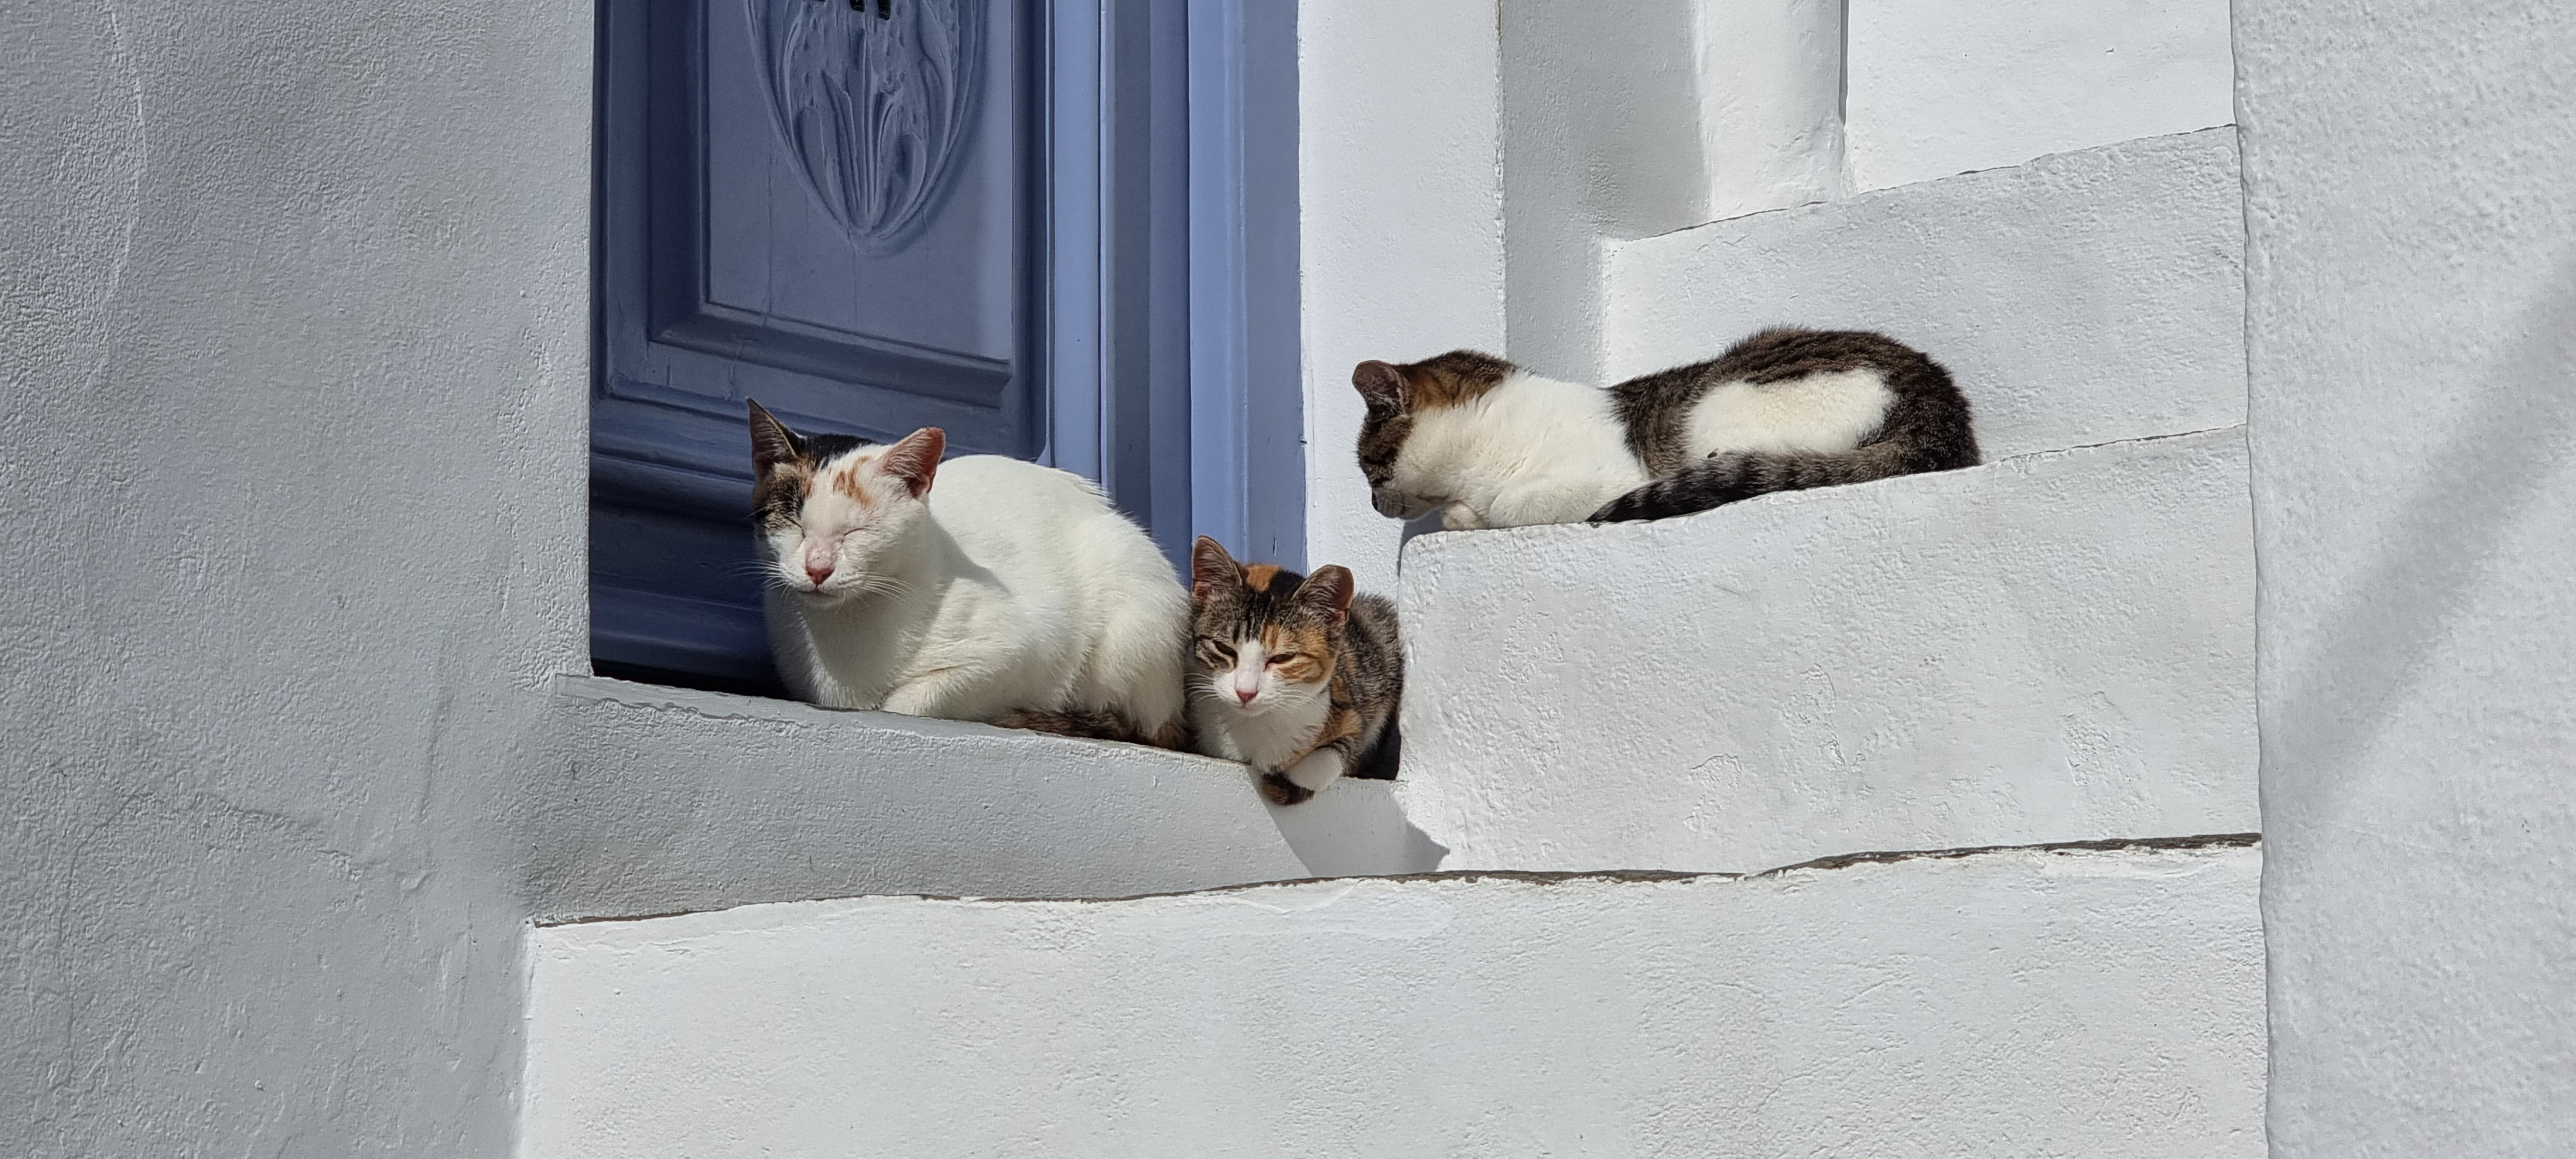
{"x": 1083, "y": 251}
{"x": 1247, "y": 390}
{"x": 835, "y": 210}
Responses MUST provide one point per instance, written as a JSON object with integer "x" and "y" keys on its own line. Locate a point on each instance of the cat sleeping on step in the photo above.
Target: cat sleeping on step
{"x": 1295, "y": 676}
{"x": 1489, "y": 445}
{"x": 1008, "y": 592}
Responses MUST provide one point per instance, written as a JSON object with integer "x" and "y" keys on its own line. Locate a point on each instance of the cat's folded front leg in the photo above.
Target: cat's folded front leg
{"x": 935, "y": 694}
{"x": 1460, "y": 517}
{"x": 1310, "y": 775}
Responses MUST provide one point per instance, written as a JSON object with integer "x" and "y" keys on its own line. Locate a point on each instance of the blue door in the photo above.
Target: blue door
{"x": 877, "y": 215}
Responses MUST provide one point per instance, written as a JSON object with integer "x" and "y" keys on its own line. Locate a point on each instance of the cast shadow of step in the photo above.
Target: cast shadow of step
{"x": 1356, "y": 828}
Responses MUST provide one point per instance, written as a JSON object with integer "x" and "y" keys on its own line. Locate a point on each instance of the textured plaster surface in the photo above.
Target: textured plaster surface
{"x": 1590, "y": 152}
{"x": 1401, "y": 228}
{"x": 2056, "y": 1003}
{"x": 2412, "y": 322}
{"x": 293, "y": 318}
{"x": 1937, "y": 87}
{"x": 2051, "y": 648}
{"x": 1676, "y": 113}
{"x": 662, "y": 799}
{"x": 2078, "y": 299}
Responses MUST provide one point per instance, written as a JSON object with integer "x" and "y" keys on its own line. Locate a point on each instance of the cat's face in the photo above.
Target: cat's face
{"x": 1406, "y": 478}
{"x": 832, "y": 512}
{"x": 1263, "y": 638}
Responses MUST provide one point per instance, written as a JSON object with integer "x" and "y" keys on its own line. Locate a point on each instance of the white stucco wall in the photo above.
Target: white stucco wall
{"x": 2057, "y": 647}
{"x": 295, "y": 353}
{"x": 1590, "y": 152}
{"x": 2055, "y": 1003}
{"x": 1937, "y": 87}
{"x": 1400, "y": 228}
{"x": 2412, "y": 328}
{"x": 2078, "y": 299}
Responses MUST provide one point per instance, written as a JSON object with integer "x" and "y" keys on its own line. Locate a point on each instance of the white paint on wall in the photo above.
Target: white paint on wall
{"x": 296, "y": 364}
{"x": 2412, "y": 332}
{"x": 1770, "y": 103}
{"x": 2054, "y": 1003}
{"x": 2051, "y": 648}
{"x": 1937, "y": 87}
{"x": 1401, "y": 226}
{"x": 1590, "y": 150}
{"x": 2078, "y": 299}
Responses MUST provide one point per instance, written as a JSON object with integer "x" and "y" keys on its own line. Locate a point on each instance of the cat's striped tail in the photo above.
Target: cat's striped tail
{"x": 1722, "y": 479}
{"x": 1094, "y": 724}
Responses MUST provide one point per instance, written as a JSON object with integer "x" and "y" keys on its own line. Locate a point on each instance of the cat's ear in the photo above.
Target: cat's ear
{"x": 1329, "y": 592}
{"x": 1210, "y": 569}
{"x": 914, "y": 459}
{"x": 1381, "y": 385}
{"x": 772, "y": 444}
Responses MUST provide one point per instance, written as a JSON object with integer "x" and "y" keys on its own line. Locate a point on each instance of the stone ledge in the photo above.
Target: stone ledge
{"x": 653, "y": 800}
{"x": 2052, "y": 648}
{"x": 2082, "y": 298}
{"x": 2058, "y": 1002}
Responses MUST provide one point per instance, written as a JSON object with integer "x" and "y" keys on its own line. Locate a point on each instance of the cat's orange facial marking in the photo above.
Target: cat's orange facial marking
{"x": 846, "y": 481}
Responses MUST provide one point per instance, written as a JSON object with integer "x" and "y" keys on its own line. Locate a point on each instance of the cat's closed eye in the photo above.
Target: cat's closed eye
{"x": 1278, "y": 658}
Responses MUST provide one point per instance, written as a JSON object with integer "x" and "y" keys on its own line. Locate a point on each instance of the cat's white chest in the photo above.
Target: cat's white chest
{"x": 1266, "y": 741}
{"x": 1818, "y": 414}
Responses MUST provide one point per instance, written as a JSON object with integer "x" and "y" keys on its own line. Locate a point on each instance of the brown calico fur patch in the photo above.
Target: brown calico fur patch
{"x": 1452, "y": 378}
{"x": 846, "y": 481}
{"x": 1095, "y": 724}
{"x": 1257, "y": 576}
{"x": 1438, "y": 381}
{"x": 779, "y": 496}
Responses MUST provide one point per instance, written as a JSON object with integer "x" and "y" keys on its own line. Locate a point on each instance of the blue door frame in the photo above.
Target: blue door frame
{"x": 1158, "y": 327}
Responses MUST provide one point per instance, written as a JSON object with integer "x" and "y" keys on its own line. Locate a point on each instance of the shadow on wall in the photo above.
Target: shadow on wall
{"x": 2502, "y": 458}
{"x": 1355, "y": 828}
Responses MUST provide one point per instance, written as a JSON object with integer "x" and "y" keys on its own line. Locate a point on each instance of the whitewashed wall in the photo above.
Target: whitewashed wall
{"x": 2412, "y": 330}
{"x": 296, "y": 303}
{"x": 1937, "y": 87}
{"x": 1401, "y": 228}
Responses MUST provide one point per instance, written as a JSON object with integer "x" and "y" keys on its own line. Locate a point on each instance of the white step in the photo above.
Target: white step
{"x": 2057, "y": 647}
{"x": 2025, "y": 1002}
{"x": 2078, "y": 299}
{"x": 1936, "y": 87}
{"x": 669, "y": 799}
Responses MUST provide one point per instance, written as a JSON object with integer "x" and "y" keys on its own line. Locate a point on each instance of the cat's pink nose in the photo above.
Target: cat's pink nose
{"x": 818, "y": 572}
{"x": 1244, "y": 694}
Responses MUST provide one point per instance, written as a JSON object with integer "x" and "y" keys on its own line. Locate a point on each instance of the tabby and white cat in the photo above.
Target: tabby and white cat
{"x": 1009, "y": 593}
{"x": 1489, "y": 445}
{"x": 1297, "y": 676}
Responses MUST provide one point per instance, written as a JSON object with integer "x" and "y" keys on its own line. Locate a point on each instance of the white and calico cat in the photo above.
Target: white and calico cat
{"x": 983, "y": 588}
{"x": 1298, "y": 676}
{"x": 1490, "y": 445}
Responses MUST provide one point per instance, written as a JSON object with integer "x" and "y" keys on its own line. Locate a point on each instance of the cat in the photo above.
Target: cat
{"x": 1008, "y": 593}
{"x": 1489, "y": 445}
{"x": 1297, "y": 676}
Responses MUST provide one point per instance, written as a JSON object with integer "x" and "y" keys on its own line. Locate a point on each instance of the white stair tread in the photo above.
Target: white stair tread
{"x": 2057, "y": 647}
{"x": 2020, "y": 1002}
{"x": 2081, "y": 298}
{"x": 672, "y": 799}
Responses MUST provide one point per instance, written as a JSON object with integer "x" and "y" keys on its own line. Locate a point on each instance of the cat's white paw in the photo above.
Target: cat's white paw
{"x": 1460, "y": 517}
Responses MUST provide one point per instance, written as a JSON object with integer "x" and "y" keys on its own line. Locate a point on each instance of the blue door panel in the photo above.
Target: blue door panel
{"x": 826, "y": 207}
